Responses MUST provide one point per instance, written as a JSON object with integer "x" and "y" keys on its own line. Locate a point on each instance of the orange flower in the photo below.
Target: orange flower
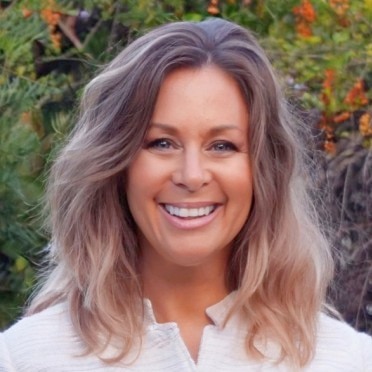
{"x": 213, "y": 7}
{"x": 341, "y": 117}
{"x": 365, "y": 124}
{"x": 50, "y": 16}
{"x": 305, "y": 16}
{"x": 339, "y": 6}
{"x": 305, "y": 11}
{"x": 329, "y": 78}
{"x": 26, "y": 12}
{"x": 303, "y": 29}
{"x": 328, "y": 86}
{"x": 356, "y": 96}
{"x": 330, "y": 147}
{"x": 56, "y": 38}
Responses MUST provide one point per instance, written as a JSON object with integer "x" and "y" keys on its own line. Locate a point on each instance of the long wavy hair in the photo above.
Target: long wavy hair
{"x": 280, "y": 264}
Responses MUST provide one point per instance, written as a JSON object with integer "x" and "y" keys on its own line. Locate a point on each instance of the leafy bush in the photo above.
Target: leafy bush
{"x": 50, "y": 49}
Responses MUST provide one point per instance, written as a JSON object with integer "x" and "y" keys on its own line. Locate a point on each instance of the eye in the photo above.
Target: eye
{"x": 160, "y": 144}
{"x": 223, "y": 146}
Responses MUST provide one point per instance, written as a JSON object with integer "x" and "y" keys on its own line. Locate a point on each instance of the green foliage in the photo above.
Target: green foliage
{"x": 49, "y": 50}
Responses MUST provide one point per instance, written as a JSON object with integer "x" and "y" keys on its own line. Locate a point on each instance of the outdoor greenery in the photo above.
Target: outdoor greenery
{"x": 50, "y": 49}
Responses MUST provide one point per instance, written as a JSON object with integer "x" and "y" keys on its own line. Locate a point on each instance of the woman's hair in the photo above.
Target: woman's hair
{"x": 280, "y": 263}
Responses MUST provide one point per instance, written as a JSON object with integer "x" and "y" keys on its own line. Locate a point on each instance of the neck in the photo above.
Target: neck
{"x": 179, "y": 293}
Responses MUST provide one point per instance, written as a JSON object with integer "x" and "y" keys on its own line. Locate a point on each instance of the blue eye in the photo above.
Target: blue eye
{"x": 159, "y": 144}
{"x": 223, "y": 146}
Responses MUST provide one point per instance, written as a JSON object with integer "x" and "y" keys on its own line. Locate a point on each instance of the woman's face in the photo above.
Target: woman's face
{"x": 190, "y": 187}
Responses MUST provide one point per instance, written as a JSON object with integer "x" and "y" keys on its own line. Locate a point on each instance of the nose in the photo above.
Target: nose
{"x": 192, "y": 172}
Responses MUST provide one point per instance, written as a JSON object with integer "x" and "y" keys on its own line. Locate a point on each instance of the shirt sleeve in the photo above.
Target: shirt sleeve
{"x": 6, "y": 364}
{"x": 366, "y": 347}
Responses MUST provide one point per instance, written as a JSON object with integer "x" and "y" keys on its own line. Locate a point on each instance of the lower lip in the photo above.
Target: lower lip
{"x": 189, "y": 223}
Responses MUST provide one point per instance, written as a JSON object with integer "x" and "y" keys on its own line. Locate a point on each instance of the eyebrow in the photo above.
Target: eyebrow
{"x": 215, "y": 130}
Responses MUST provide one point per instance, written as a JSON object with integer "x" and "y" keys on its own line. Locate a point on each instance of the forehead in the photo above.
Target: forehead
{"x": 199, "y": 77}
{"x": 206, "y": 95}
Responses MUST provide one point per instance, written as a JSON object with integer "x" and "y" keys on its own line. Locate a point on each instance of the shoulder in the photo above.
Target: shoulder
{"x": 42, "y": 336}
{"x": 49, "y": 322}
{"x": 341, "y": 345}
{"x": 331, "y": 328}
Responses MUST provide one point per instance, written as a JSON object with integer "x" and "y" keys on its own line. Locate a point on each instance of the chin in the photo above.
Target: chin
{"x": 200, "y": 257}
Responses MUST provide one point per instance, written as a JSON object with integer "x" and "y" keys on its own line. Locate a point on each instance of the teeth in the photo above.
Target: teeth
{"x": 189, "y": 212}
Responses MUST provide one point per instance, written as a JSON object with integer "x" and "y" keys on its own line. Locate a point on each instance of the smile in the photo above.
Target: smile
{"x": 189, "y": 212}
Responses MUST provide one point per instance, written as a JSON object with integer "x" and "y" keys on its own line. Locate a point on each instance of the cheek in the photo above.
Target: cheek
{"x": 239, "y": 185}
{"x": 139, "y": 175}
{"x": 145, "y": 179}
{"x": 238, "y": 178}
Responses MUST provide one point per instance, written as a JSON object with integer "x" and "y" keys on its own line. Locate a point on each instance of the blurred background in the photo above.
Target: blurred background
{"x": 322, "y": 50}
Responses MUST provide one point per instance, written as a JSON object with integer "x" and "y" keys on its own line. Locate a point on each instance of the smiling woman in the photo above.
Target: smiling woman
{"x": 182, "y": 235}
{"x": 196, "y": 158}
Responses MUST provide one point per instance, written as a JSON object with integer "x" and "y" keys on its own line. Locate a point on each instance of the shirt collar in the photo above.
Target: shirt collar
{"x": 219, "y": 311}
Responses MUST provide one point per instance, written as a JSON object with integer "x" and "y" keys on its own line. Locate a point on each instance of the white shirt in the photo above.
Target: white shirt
{"x": 46, "y": 342}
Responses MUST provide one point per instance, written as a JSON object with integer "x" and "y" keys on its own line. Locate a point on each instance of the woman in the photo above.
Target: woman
{"x": 183, "y": 238}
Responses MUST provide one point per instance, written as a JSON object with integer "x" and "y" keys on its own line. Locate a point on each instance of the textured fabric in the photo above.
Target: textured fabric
{"x": 46, "y": 342}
